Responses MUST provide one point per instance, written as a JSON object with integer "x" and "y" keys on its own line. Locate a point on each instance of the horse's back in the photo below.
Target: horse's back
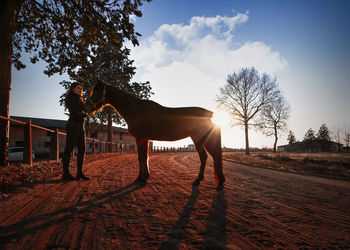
{"x": 191, "y": 111}
{"x": 158, "y": 109}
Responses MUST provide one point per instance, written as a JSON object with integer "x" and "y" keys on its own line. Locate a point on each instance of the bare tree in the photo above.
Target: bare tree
{"x": 337, "y": 134}
{"x": 347, "y": 137}
{"x": 244, "y": 96}
{"x": 273, "y": 118}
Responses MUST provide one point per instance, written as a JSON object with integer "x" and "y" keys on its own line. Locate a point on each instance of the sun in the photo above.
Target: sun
{"x": 220, "y": 118}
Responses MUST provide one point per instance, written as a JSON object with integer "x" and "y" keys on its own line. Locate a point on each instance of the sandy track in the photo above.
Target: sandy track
{"x": 259, "y": 208}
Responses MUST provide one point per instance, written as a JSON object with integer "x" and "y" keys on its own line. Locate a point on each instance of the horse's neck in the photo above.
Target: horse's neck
{"x": 123, "y": 102}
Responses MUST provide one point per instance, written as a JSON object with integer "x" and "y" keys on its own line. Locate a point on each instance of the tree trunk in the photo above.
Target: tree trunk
{"x": 109, "y": 131}
{"x": 276, "y": 139}
{"x": 7, "y": 23}
{"x": 246, "y": 138}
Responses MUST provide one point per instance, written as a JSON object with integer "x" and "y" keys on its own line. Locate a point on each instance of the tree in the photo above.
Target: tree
{"x": 245, "y": 95}
{"x": 323, "y": 133}
{"x": 309, "y": 138}
{"x": 291, "y": 137}
{"x": 115, "y": 68}
{"x": 347, "y": 137}
{"x": 63, "y": 33}
{"x": 309, "y": 135}
{"x": 337, "y": 134}
{"x": 273, "y": 118}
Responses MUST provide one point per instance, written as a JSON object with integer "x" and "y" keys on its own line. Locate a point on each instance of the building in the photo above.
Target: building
{"x": 312, "y": 146}
{"x": 122, "y": 140}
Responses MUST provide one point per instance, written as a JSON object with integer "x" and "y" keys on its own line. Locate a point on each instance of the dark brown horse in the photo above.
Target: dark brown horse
{"x": 147, "y": 120}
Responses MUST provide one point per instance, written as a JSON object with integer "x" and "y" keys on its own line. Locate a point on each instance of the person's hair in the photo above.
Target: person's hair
{"x": 70, "y": 92}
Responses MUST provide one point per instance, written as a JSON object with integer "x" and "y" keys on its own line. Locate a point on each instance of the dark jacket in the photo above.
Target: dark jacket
{"x": 75, "y": 107}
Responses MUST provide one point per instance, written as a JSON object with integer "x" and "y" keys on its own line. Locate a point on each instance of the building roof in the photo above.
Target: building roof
{"x": 53, "y": 123}
{"x": 47, "y": 123}
{"x": 303, "y": 143}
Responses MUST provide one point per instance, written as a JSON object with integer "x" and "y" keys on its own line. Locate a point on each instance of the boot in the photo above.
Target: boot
{"x": 80, "y": 174}
{"x": 66, "y": 175}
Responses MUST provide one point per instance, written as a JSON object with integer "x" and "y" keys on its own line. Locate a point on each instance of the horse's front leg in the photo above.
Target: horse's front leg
{"x": 142, "y": 148}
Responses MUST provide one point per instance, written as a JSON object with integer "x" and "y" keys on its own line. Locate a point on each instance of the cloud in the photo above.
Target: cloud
{"x": 199, "y": 27}
{"x": 133, "y": 18}
{"x": 181, "y": 60}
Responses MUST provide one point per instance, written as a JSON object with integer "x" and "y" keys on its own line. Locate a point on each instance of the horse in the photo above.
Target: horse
{"x": 148, "y": 120}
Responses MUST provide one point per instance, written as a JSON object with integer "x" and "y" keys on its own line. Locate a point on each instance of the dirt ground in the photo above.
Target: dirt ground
{"x": 259, "y": 208}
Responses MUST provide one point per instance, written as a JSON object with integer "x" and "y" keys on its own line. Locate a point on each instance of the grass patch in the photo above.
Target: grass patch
{"x": 332, "y": 165}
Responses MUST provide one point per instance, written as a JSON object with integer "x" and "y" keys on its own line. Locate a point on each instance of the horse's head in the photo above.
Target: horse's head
{"x": 96, "y": 100}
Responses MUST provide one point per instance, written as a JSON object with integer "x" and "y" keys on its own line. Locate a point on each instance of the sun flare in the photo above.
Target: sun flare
{"x": 220, "y": 118}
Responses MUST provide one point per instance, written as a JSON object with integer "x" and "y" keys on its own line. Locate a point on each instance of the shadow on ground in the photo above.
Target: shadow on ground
{"x": 37, "y": 223}
{"x": 214, "y": 235}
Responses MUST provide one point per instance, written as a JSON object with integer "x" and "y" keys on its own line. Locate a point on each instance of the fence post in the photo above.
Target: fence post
{"x": 100, "y": 151}
{"x": 54, "y": 146}
{"x": 28, "y": 146}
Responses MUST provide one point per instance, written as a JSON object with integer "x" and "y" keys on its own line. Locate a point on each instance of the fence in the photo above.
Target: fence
{"x": 171, "y": 149}
{"x": 54, "y": 142}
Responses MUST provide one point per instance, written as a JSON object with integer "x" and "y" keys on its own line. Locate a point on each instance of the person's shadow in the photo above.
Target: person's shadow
{"x": 40, "y": 222}
{"x": 214, "y": 236}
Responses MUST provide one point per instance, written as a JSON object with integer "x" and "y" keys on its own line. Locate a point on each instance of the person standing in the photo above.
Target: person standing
{"x": 75, "y": 131}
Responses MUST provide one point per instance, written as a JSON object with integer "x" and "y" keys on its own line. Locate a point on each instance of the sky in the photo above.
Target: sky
{"x": 188, "y": 48}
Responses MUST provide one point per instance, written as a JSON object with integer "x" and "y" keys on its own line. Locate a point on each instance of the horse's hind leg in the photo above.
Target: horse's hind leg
{"x": 213, "y": 146}
{"x": 142, "y": 148}
{"x": 203, "y": 158}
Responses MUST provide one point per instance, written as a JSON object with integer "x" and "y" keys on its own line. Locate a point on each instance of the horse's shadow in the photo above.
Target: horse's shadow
{"x": 40, "y": 222}
{"x": 214, "y": 235}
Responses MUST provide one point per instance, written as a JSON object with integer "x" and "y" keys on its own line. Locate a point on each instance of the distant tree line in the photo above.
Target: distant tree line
{"x": 310, "y": 136}
{"x": 323, "y": 134}
{"x": 322, "y": 138}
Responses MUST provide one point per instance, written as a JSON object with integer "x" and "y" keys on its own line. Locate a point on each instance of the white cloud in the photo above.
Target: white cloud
{"x": 133, "y": 18}
{"x": 198, "y": 28}
{"x": 187, "y": 63}
{"x": 206, "y": 46}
